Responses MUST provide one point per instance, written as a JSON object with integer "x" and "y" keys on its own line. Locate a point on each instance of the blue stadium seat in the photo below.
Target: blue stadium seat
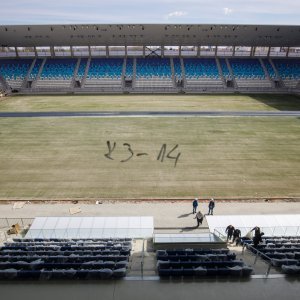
{"x": 248, "y": 68}
{"x": 153, "y": 67}
{"x": 59, "y": 69}
{"x": 201, "y": 68}
{"x": 288, "y": 68}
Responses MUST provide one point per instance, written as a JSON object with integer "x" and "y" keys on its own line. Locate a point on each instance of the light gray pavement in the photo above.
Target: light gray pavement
{"x": 166, "y": 214}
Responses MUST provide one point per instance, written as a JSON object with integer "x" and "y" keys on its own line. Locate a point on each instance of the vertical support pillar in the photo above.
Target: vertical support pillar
{"x": 198, "y": 51}
{"x": 52, "y": 52}
{"x": 126, "y": 53}
{"x": 269, "y": 51}
{"x": 35, "y": 52}
{"x": 162, "y": 51}
{"x": 251, "y": 51}
{"x": 90, "y": 52}
{"x": 17, "y": 53}
{"x": 287, "y": 52}
{"x": 144, "y": 51}
{"x": 216, "y": 51}
{"x": 180, "y": 51}
{"x": 72, "y": 51}
{"x": 233, "y": 51}
{"x": 107, "y": 51}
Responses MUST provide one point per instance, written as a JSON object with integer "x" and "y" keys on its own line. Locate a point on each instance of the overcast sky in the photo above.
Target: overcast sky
{"x": 286, "y": 12}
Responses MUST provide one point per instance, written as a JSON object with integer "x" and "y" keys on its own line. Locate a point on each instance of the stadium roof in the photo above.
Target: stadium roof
{"x": 149, "y": 35}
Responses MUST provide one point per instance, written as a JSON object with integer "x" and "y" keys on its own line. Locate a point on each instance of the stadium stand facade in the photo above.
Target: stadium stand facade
{"x": 266, "y": 61}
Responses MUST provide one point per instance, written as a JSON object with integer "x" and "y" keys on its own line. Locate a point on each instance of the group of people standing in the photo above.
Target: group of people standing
{"x": 235, "y": 235}
{"x": 199, "y": 216}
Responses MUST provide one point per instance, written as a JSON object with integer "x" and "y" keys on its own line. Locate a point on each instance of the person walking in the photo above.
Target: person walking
{"x": 211, "y": 206}
{"x": 236, "y": 236}
{"x": 199, "y": 217}
{"x": 257, "y": 239}
{"x": 229, "y": 230}
{"x": 256, "y": 230}
{"x": 195, "y": 205}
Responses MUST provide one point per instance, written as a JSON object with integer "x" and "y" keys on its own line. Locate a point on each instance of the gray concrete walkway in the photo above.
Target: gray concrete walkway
{"x": 166, "y": 214}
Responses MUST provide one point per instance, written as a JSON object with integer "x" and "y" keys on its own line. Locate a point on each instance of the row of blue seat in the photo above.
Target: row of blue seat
{"x": 39, "y": 265}
{"x": 244, "y": 271}
{"x": 44, "y": 240}
{"x": 13, "y": 274}
{"x": 191, "y": 251}
{"x": 75, "y": 257}
{"x": 195, "y": 264}
{"x": 65, "y": 253}
{"x": 198, "y": 257}
{"x": 60, "y": 258}
{"x": 58, "y": 248}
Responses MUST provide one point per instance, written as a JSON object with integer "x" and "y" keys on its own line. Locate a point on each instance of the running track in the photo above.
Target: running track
{"x": 151, "y": 114}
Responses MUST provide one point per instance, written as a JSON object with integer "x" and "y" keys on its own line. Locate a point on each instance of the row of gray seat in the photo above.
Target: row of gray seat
{"x": 14, "y": 274}
{"x": 54, "y": 259}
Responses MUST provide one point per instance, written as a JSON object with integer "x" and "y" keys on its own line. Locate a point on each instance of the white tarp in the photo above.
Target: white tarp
{"x": 271, "y": 225}
{"x": 91, "y": 227}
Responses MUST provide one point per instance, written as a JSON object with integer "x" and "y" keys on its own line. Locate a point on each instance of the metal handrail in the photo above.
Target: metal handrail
{"x": 219, "y": 234}
{"x": 142, "y": 258}
{"x": 258, "y": 253}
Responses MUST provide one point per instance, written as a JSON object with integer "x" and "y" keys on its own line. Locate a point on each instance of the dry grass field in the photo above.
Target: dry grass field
{"x": 65, "y": 158}
{"x": 151, "y": 103}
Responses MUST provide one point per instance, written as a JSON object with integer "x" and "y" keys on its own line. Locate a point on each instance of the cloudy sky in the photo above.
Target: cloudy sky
{"x": 286, "y": 12}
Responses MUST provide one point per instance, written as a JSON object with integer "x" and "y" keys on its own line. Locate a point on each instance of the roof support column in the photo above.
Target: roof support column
{"x": 162, "y": 51}
{"x": 287, "y": 52}
{"x": 269, "y": 51}
{"x": 180, "y": 51}
{"x": 52, "y": 52}
{"x": 198, "y": 51}
{"x": 233, "y": 51}
{"x": 35, "y": 52}
{"x": 17, "y": 53}
{"x": 126, "y": 51}
{"x": 216, "y": 51}
{"x": 251, "y": 51}
{"x": 72, "y": 51}
{"x": 90, "y": 52}
{"x": 107, "y": 51}
{"x": 144, "y": 51}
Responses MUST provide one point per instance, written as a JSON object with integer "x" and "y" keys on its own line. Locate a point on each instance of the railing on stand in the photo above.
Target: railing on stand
{"x": 266, "y": 258}
{"x": 219, "y": 234}
{"x": 142, "y": 258}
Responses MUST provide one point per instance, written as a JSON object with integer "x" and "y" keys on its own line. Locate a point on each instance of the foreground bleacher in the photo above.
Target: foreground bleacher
{"x": 281, "y": 251}
{"x": 65, "y": 259}
{"x": 200, "y": 263}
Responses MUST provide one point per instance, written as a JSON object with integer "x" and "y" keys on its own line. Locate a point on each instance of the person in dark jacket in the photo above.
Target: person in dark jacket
{"x": 236, "y": 236}
{"x": 211, "y": 206}
{"x": 257, "y": 239}
{"x": 229, "y": 230}
{"x": 195, "y": 205}
{"x": 256, "y": 230}
{"x": 199, "y": 217}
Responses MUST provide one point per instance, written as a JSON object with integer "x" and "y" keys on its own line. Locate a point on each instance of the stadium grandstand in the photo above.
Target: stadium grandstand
{"x": 146, "y": 58}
